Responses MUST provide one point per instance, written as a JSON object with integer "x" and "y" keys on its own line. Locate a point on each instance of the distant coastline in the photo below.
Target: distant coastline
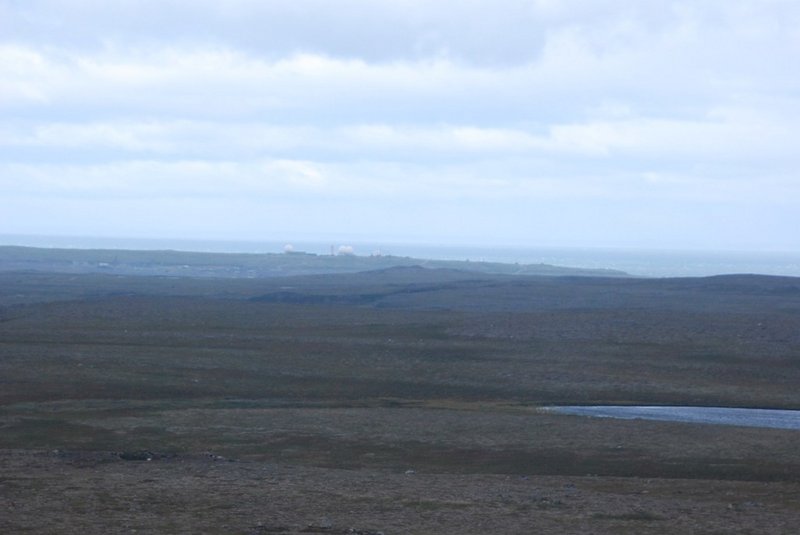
{"x": 291, "y": 262}
{"x": 645, "y": 263}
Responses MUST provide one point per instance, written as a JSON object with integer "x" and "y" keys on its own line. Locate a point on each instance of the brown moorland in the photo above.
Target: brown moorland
{"x": 397, "y": 401}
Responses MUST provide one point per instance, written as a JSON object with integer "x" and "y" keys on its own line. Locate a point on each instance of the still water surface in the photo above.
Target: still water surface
{"x": 773, "y": 418}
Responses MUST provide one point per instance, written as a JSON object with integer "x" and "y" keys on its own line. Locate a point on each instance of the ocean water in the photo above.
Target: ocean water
{"x": 638, "y": 262}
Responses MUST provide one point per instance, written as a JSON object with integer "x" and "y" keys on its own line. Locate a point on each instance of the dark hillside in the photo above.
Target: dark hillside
{"x": 404, "y": 397}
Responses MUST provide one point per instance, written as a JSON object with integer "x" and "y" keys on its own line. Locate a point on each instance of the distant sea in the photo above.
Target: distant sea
{"x": 646, "y": 263}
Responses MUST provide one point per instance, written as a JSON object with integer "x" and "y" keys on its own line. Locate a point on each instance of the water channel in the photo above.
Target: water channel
{"x": 772, "y": 418}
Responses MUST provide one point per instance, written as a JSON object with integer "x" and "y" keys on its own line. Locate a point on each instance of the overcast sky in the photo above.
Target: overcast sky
{"x": 657, "y": 124}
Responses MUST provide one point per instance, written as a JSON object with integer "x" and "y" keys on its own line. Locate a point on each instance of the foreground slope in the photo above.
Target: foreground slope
{"x": 400, "y": 400}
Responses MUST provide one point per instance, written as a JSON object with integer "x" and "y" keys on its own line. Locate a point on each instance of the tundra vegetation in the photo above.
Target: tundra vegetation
{"x": 398, "y": 400}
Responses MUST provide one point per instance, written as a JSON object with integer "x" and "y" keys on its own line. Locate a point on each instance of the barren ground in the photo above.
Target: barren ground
{"x": 181, "y": 406}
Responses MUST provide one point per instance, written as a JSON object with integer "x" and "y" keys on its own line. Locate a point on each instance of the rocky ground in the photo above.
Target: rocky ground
{"x": 70, "y": 493}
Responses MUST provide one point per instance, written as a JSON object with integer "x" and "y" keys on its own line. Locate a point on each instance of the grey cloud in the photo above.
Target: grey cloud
{"x": 497, "y": 32}
{"x": 649, "y": 118}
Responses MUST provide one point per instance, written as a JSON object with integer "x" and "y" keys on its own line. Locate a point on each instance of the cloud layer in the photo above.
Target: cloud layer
{"x": 666, "y": 123}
